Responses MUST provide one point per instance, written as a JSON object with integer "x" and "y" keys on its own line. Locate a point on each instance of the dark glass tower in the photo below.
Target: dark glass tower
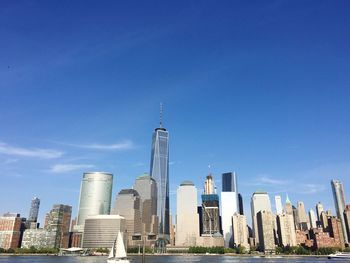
{"x": 229, "y": 182}
{"x": 34, "y": 210}
{"x": 160, "y": 172}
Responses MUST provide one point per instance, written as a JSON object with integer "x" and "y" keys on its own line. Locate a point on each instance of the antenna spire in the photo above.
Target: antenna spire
{"x": 161, "y": 115}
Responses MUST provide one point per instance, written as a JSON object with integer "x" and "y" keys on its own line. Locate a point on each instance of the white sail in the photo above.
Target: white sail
{"x": 120, "y": 253}
{"x": 112, "y": 252}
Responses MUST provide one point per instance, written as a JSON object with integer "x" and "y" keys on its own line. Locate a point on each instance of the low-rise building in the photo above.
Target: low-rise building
{"x": 10, "y": 231}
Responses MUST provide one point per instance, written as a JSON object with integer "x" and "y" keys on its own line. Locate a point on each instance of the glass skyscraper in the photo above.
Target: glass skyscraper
{"x": 34, "y": 210}
{"x": 160, "y": 172}
{"x": 339, "y": 202}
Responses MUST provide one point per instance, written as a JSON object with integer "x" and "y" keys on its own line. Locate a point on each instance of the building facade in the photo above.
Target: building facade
{"x": 229, "y": 205}
{"x": 100, "y": 231}
{"x": 286, "y": 230}
{"x": 95, "y": 196}
{"x": 239, "y": 231}
{"x": 260, "y": 201}
{"x": 312, "y": 218}
{"x": 187, "y": 218}
{"x": 10, "y": 231}
{"x": 339, "y": 203}
{"x": 160, "y": 172}
{"x": 278, "y": 203}
{"x": 33, "y": 213}
{"x": 265, "y": 223}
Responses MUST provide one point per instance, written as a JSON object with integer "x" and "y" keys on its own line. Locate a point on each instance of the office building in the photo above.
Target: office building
{"x": 100, "y": 231}
{"x": 240, "y": 204}
{"x": 33, "y": 213}
{"x": 286, "y": 230}
{"x": 288, "y": 207}
{"x": 336, "y": 231}
{"x": 312, "y": 218}
{"x": 146, "y": 187}
{"x": 160, "y": 172}
{"x": 229, "y": 205}
{"x": 260, "y": 201}
{"x": 39, "y": 238}
{"x": 319, "y": 210}
{"x": 10, "y": 231}
{"x": 302, "y": 220}
{"x": 339, "y": 203}
{"x": 127, "y": 205}
{"x": 240, "y": 231}
{"x": 210, "y": 208}
{"x": 347, "y": 219}
{"x": 278, "y": 203}
{"x": 187, "y": 218}
{"x": 95, "y": 196}
{"x": 265, "y": 223}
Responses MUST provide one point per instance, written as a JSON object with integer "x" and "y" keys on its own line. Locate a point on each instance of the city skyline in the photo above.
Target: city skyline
{"x": 261, "y": 90}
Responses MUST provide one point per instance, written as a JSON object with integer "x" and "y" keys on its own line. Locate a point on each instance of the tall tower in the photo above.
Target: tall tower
{"x": 260, "y": 202}
{"x": 160, "y": 172}
{"x": 34, "y": 211}
{"x": 339, "y": 203}
{"x": 278, "y": 202}
{"x": 229, "y": 205}
{"x": 95, "y": 197}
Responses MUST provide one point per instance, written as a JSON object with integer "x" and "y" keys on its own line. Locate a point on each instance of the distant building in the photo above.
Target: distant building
{"x": 55, "y": 234}
{"x": 210, "y": 208}
{"x": 286, "y": 230}
{"x": 95, "y": 196}
{"x": 302, "y": 219}
{"x": 240, "y": 204}
{"x": 240, "y": 235}
{"x": 146, "y": 186}
{"x": 229, "y": 205}
{"x": 260, "y": 201}
{"x": 100, "y": 231}
{"x": 33, "y": 213}
{"x": 10, "y": 231}
{"x": 339, "y": 203}
{"x": 336, "y": 231}
{"x": 127, "y": 205}
{"x": 319, "y": 210}
{"x": 265, "y": 223}
{"x": 278, "y": 202}
{"x": 187, "y": 218}
{"x": 312, "y": 218}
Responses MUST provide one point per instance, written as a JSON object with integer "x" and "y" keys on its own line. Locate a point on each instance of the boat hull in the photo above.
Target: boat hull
{"x": 118, "y": 261}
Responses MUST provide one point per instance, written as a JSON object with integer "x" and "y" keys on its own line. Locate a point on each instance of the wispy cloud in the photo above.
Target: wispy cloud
{"x": 271, "y": 181}
{"x": 29, "y": 152}
{"x": 124, "y": 145}
{"x": 311, "y": 188}
{"x": 64, "y": 168}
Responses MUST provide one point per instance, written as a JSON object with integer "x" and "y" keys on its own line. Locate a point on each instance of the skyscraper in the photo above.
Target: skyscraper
{"x": 95, "y": 196}
{"x": 260, "y": 201}
{"x": 240, "y": 204}
{"x": 286, "y": 230}
{"x": 187, "y": 218}
{"x": 347, "y": 219}
{"x": 146, "y": 186}
{"x": 278, "y": 202}
{"x": 240, "y": 230}
{"x": 339, "y": 203}
{"x": 34, "y": 211}
{"x": 302, "y": 219}
{"x": 229, "y": 205}
{"x": 319, "y": 210}
{"x": 160, "y": 172}
{"x": 265, "y": 222}
{"x": 312, "y": 218}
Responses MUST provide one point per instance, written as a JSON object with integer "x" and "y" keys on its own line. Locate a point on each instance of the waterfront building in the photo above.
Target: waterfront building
{"x": 187, "y": 218}
{"x": 312, "y": 218}
{"x": 160, "y": 172}
{"x": 260, "y": 201}
{"x": 100, "y": 231}
{"x": 347, "y": 219}
{"x": 278, "y": 203}
{"x": 324, "y": 220}
{"x": 339, "y": 203}
{"x": 210, "y": 208}
{"x": 302, "y": 221}
{"x": 33, "y": 213}
{"x": 240, "y": 204}
{"x": 95, "y": 196}
{"x": 336, "y": 231}
{"x": 146, "y": 186}
{"x": 229, "y": 205}
{"x": 10, "y": 231}
{"x": 39, "y": 238}
{"x": 286, "y": 230}
{"x": 319, "y": 210}
{"x": 265, "y": 223}
{"x": 127, "y": 205}
{"x": 240, "y": 231}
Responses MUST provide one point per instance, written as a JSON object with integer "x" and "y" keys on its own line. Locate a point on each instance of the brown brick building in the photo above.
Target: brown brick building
{"x": 10, "y": 231}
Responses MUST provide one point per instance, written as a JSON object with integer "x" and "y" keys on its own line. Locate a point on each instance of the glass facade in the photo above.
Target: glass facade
{"x": 339, "y": 203}
{"x": 229, "y": 183}
{"x": 34, "y": 210}
{"x": 160, "y": 172}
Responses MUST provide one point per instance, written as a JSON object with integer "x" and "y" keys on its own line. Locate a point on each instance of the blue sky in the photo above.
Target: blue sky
{"x": 257, "y": 87}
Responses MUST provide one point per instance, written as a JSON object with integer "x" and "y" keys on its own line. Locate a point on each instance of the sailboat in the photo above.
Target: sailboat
{"x": 118, "y": 253}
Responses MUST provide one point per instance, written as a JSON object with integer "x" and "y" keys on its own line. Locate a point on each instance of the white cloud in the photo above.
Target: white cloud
{"x": 27, "y": 152}
{"x": 271, "y": 181}
{"x": 311, "y": 188}
{"x": 124, "y": 145}
{"x": 64, "y": 168}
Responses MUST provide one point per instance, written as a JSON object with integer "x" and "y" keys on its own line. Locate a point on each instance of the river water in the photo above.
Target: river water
{"x": 160, "y": 259}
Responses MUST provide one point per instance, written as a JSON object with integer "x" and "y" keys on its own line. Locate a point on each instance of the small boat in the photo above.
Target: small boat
{"x": 118, "y": 253}
{"x": 340, "y": 255}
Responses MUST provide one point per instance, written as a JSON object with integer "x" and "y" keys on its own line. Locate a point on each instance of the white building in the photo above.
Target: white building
{"x": 312, "y": 218}
{"x": 260, "y": 202}
{"x": 278, "y": 202}
{"x": 187, "y": 217}
{"x": 240, "y": 230}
